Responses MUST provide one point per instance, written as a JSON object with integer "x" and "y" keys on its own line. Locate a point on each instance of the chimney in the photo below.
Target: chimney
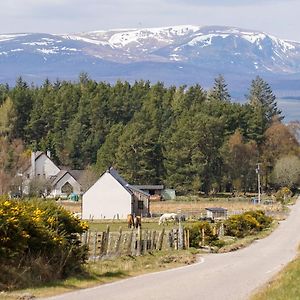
{"x": 32, "y": 164}
{"x": 48, "y": 153}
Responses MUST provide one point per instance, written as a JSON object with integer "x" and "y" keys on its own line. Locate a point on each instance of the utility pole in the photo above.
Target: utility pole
{"x": 258, "y": 181}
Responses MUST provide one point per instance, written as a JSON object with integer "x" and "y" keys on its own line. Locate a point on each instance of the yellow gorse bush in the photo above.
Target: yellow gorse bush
{"x": 40, "y": 229}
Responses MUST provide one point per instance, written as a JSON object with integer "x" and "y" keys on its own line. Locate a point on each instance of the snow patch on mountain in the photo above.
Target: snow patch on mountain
{"x": 8, "y": 37}
{"x": 86, "y": 40}
{"x": 206, "y": 40}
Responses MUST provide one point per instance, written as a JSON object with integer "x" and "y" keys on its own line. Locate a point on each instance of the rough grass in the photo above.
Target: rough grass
{"x": 197, "y": 207}
{"x": 110, "y": 270}
{"x": 285, "y": 285}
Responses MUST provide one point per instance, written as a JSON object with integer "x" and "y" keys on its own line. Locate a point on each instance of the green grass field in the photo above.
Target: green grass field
{"x": 114, "y": 225}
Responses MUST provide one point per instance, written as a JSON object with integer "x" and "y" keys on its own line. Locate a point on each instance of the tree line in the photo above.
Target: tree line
{"x": 187, "y": 138}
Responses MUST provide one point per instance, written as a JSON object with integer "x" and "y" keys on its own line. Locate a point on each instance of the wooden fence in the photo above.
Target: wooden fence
{"x": 134, "y": 242}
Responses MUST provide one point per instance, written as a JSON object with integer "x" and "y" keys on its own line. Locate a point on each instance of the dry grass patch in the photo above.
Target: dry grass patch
{"x": 197, "y": 207}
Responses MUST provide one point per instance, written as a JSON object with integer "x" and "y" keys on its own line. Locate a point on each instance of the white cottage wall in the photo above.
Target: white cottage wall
{"x": 107, "y": 198}
{"x": 43, "y": 167}
{"x": 67, "y": 178}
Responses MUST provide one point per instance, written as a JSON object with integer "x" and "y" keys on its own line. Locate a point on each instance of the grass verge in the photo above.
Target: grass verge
{"x": 285, "y": 285}
{"x": 108, "y": 271}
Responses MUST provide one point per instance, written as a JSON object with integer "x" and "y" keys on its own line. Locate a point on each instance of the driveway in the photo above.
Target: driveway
{"x": 234, "y": 275}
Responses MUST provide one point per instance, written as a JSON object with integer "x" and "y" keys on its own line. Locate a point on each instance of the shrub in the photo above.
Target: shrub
{"x": 196, "y": 234}
{"x": 39, "y": 240}
{"x": 247, "y": 223}
{"x": 283, "y": 194}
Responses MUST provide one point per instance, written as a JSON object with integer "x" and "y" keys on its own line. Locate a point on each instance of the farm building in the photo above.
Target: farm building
{"x": 63, "y": 182}
{"x": 216, "y": 213}
{"x": 112, "y": 197}
{"x": 155, "y": 191}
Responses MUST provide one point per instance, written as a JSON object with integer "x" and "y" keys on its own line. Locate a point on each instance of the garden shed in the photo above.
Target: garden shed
{"x": 216, "y": 213}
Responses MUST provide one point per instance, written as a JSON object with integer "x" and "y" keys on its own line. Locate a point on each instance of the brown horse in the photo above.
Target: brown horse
{"x": 137, "y": 222}
{"x": 130, "y": 221}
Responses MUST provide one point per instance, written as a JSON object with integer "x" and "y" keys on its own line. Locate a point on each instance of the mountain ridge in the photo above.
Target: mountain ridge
{"x": 182, "y": 54}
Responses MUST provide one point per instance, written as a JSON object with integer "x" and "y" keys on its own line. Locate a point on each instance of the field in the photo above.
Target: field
{"x": 192, "y": 208}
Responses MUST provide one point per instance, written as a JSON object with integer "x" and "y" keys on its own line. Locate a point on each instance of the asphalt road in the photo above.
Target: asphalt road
{"x": 234, "y": 275}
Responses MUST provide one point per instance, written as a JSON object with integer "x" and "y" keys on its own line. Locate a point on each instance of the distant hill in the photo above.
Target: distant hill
{"x": 176, "y": 55}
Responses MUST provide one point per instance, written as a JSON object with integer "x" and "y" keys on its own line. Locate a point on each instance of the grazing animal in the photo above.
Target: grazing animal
{"x": 137, "y": 222}
{"x": 168, "y": 217}
{"x": 130, "y": 221}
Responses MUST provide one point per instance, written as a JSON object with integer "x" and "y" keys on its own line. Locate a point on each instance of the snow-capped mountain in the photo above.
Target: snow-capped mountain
{"x": 176, "y": 55}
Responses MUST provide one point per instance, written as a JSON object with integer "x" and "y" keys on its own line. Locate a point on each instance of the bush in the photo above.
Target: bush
{"x": 196, "y": 234}
{"x": 247, "y": 223}
{"x": 283, "y": 194}
{"x": 39, "y": 240}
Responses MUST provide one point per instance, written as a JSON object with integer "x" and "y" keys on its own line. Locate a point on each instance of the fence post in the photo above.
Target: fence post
{"x": 171, "y": 239}
{"x": 160, "y": 239}
{"x": 124, "y": 246}
{"x": 95, "y": 246}
{"x": 187, "y": 239}
{"x": 139, "y": 241}
{"x": 176, "y": 239}
{"x": 203, "y": 237}
{"x": 180, "y": 236}
{"x": 150, "y": 240}
{"x": 221, "y": 230}
{"x": 118, "y": 242}
{"x": 145, "y": 244}
{"x": 129, "y": 242}
{"x": 153, "y": 246}
{"x": 107, "y": 239}
{"x": 133, "y": 243}
{"x": 88, "y": 237}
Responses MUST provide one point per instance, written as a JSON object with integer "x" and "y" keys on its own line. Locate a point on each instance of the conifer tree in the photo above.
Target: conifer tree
{"x": 106, "y": 155}
{"x": 21, "y": 96}
{"x": 261, "y": 95}
{"x": 219, "y": 91}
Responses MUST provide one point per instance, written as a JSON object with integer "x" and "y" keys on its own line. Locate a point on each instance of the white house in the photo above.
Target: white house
{"x": 112, "y": 197}
{"x": 63, "y": 182}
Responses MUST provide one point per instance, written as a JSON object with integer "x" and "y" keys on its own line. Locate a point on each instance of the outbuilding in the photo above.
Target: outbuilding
{"x": 111, "y": 197}
{"x": 216, "y": 213}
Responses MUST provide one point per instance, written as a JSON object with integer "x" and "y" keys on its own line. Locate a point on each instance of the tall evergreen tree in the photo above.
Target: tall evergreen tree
{"x": 219, "y": 91}
{"x": 106, "y": 155}
{"x": 21, "y": 96}
{"x": 261, "y": 95}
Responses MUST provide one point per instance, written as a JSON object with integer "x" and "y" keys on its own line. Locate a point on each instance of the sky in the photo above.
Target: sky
{"x": 276, "y": 17}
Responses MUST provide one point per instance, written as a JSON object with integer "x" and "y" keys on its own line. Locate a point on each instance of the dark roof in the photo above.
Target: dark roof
{"x": 133, "y": 188}
{"x": 55, "y": 179}
{"x": 216, "y": 209}
{"x": 124, "y": 183}
{"x": 77, "y": 174}
{"x": 149, "y": 187}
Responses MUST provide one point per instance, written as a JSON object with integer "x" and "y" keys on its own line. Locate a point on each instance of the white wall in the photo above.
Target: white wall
{"x": 67, "y": 178}
{"x": 44, "y": 166}
{"x": 105, "y": 199}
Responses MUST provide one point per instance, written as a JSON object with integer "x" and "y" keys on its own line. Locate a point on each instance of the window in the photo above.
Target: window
{"x": 140, "y": 204}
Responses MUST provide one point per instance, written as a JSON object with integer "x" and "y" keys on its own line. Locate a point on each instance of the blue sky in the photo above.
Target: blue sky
{"x": 277, "y": 17}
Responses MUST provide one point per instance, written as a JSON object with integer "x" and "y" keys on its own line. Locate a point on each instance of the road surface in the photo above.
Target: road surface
{"x": 233, "y": 275}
